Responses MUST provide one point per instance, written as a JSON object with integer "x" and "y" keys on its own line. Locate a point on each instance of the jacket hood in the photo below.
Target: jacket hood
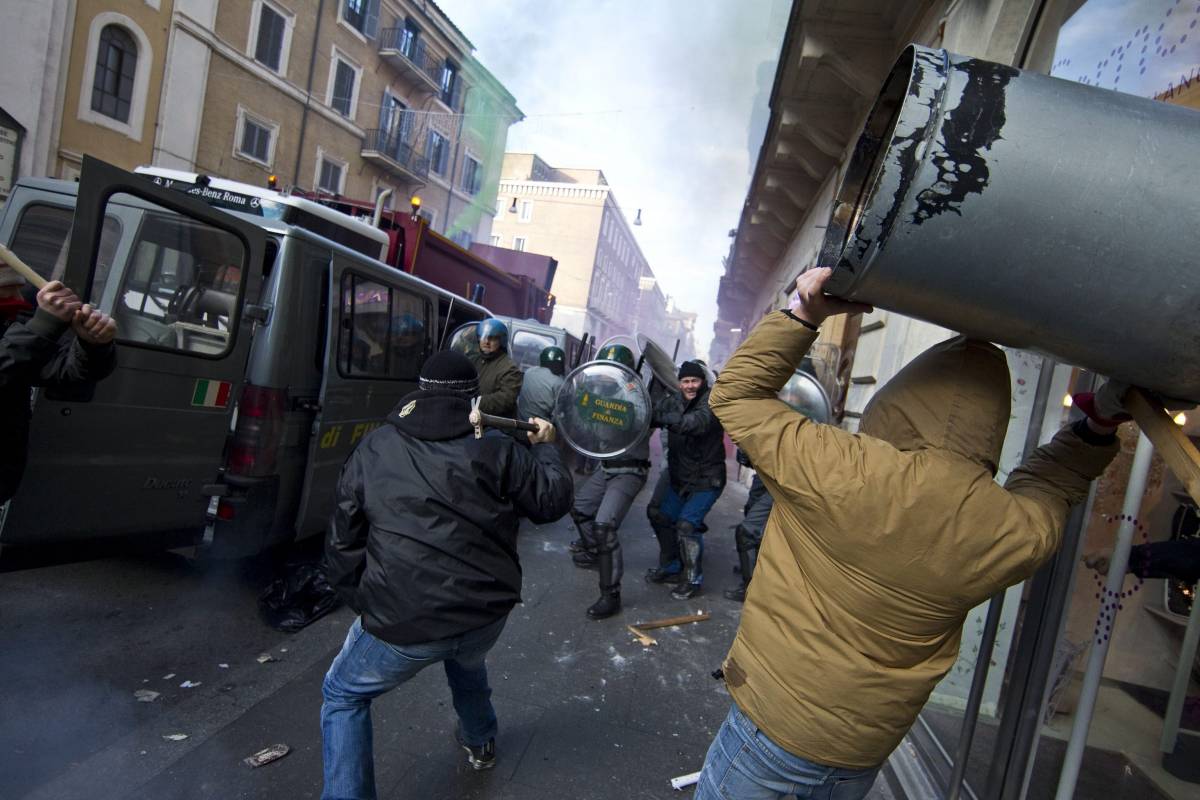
{"x": 433, "y": 416}
{"x": 955, "y": 396}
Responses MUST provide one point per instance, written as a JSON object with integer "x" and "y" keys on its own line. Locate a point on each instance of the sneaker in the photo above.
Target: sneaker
{"x": 481, "y": 757}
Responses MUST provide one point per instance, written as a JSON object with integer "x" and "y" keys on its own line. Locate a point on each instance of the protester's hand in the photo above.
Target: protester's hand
{"x": 545, "y": 431}
{"x": 1098, "y": 561}
{"x": 93, "y": 326}
{"x": 1105, "y": 408}
{"x": 810, "y": 303}
{"x": 58, "y": 301}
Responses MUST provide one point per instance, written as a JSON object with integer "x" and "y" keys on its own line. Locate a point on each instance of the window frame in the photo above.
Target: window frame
{"x": 134, "y": 127}
{"x": 342, "y": 361}
{"x": 285, "y": 45}
{"x": 448, "y": 93}
{"x": 445, "y": 152}
{"x": 476, "y": 175}
{"x": 337, "y": 56}
{"x": 244, "y": 115}
{"x": 322, "y": 157}
{"x": 520, "y": 243}
{"x": 525, "y": 210}
{"x": 370, "y": 19}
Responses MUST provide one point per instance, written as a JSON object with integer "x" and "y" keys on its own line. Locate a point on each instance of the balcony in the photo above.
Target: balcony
{"x": 387, "y": 148}
{"x": 408, "y": 56}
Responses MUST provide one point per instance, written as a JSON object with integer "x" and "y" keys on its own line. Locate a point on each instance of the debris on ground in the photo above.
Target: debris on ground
{"x": 267, "y": 755}
{"x": 639, "y": 630}
{"x": 223, "y": 666}
{"x": 145, "y": 696}
{"x": 684, "y": 781}
{"x": 302, "y": 596}
{"x": 175, "y": 737}
{"x": 168, "y": 676}
{"x": 189, "y": 684}
{"x": 264, "y": 658}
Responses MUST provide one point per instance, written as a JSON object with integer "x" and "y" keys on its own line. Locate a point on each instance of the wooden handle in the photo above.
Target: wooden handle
{"x": 670, "y": 621}
{"x": 504, "y": 422}
{"x": 1176, "y": 449}
{"x": 24, "y": 270}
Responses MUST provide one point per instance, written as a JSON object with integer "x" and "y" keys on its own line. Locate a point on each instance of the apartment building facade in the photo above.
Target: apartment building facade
{"x": 604, "y": 286}
{"x": 344, "y": 97}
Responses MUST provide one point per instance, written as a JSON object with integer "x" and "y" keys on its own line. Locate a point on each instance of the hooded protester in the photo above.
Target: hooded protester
{"x": 500, "y": 378}
{"x": 695, "y": 479}
{"x": 423, "y": 545}
{"x": 879, "y": 545}
{"x": 35, "y": 351}
{"x": 539, "y": 387}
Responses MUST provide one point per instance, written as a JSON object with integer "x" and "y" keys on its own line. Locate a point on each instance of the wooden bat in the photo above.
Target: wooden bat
{"x": 24, "y": 270}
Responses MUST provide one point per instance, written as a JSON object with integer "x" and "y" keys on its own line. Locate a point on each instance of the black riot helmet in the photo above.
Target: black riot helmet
{"x": 618, "y": 353}
{"x": 553, "y": 359}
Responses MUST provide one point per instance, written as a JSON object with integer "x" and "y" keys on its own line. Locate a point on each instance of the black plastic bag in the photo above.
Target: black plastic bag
{"x": 299, "y": 598}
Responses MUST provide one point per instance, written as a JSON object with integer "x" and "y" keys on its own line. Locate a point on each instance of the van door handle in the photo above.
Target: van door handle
{"x": 306, "y": 404}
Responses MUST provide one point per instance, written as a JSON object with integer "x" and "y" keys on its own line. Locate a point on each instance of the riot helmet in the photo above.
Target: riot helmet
{"x": 492, "y": 328}
{"x": 553, "y": 359}
{"x": 618, "y": 353}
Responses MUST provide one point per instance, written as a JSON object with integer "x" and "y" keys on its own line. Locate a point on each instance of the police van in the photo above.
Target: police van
{"x": 259, "y": 339}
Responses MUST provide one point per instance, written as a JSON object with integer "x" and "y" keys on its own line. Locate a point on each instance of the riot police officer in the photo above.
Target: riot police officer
{"x": 601, "y": 504}
{"x": 541, "y": 384}
{"x": 499, "y": 376}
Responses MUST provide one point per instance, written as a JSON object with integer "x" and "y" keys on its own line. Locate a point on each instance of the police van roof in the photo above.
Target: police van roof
{"x": 248, "y": 198}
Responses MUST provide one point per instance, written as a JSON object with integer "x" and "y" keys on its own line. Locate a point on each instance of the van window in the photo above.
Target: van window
{"x": 527, "y": 347}
{"x": 41, "y": 240}
{"x": 180, "y": 285}
{"x": 383, "y": 330}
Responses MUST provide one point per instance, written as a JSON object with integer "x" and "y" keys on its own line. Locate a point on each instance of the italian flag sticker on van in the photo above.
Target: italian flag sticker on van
{"x": 211, "y": 394}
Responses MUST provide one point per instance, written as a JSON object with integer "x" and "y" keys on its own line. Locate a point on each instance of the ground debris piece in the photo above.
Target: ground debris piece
{"x": 168, "y": 676}
{"x": 189, "y": 684}
{"x": 264, "y": 658}
{"x": 644, "y": 639}
{"x": 267, "y": 755}
{"x": 145, "y": 696}
{"x": 175, "y": 737}
{"x": 223, "y": 666}
{"x": 672, "y": 621}
{"x": 684, "y": 781}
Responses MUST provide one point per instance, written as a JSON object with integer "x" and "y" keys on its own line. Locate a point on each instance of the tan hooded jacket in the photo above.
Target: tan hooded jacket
{"x": 880, "y": 542}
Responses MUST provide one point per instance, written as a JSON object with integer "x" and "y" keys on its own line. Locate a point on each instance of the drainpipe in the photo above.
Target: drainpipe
{"x": 312, "y": 62}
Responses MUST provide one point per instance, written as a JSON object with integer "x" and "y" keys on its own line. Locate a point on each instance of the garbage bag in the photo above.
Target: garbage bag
{"x": 297, "y": 598}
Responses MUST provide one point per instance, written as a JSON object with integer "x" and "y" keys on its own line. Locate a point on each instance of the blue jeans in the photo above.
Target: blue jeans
{"x": 744, "y": 764}
{"x": 368, "y": 667}
{"x": 691, "y": 507}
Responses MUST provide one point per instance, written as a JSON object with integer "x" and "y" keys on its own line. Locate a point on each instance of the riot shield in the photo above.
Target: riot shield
{"x": 804, "y": 393}
{"x": 603, "y": 409}
{"x": 465, "y": 340}
{"x": 661, "y": 365}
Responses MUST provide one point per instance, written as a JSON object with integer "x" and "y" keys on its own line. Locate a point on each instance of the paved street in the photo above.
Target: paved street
{"x": 584, "y": 711}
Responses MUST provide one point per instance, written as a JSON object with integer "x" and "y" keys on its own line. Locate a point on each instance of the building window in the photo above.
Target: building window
{"x": 270, "y": 36}
{"x": 462, "y": 239}
{"x": 116, "y": 66}
{"x": 519, "y": 243}
{"x": 379, "y": 190}
{"x": 525, "y": 211}
{"x": 495, "y": 240}
{"x": 449, "y": 83}
{"x": 255, "y": 138}
{"x": 331, "y": 174}
{"x": 343, "y": 85}
{"x": 362, "y": 16}
{"x": 472, "y": 175}
{"x": 438, "y": 150}
{"x": 409, "y": 40}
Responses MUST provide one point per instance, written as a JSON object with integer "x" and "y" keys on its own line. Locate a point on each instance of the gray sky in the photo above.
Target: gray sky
{"x": 660, "y": 95}
{"x": 1137, "y": 46}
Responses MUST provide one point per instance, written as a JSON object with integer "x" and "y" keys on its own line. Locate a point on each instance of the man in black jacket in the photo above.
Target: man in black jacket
{"x": 696, "y": 473}
{"x": 35, "y": 351}
{"x": 423, "y": 545}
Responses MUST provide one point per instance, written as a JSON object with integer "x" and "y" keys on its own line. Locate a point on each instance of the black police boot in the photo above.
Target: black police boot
{"x": 585, "y": 559}
{"x": 747, "y": 550}
{"x": 690, "y": 549}
{"x": 610, "y": 590}
{"x": 668, "y": 569}
{"x": 577, "y": 546}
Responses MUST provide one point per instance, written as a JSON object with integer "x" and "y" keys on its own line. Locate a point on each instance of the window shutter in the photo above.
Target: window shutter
{"x": 372, "y": 27}
{"x": 385, "y": 110}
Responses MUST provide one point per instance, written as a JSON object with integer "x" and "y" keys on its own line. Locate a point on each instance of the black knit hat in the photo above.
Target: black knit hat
{"x": 449, "y": 371}
{"x": 690, "y": 369}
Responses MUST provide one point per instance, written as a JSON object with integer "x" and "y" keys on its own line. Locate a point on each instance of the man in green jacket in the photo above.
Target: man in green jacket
{"x": 500, "y": 378}
{"x": 879, "y": 545}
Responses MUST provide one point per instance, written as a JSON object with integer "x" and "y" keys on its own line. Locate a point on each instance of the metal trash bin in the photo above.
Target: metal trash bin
{"x": 1031, "y": 211}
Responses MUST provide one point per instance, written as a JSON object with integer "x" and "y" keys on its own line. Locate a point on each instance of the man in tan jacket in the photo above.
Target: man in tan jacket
{"x": 879, "y": 544}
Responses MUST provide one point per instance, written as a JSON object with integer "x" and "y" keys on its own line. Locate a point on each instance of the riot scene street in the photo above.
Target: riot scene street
{"x": 781, "y": 399}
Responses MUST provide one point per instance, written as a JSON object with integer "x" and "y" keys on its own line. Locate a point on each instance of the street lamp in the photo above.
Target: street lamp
{"x": 513, "y": 208}
{"x": 638, "y": 219}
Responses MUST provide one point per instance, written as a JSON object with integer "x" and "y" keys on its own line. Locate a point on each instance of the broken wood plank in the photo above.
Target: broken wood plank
{"x": 670, "y": 621}
{"x": 645, "y": 640}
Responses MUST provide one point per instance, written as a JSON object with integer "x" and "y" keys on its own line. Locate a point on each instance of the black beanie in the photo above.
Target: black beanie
{"x": 690, "y": 369}
{"x": 449, "y": 371}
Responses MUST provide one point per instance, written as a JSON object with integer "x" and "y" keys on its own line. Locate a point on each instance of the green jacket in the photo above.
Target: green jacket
{"x": 881, "y": 542}
{"x": 499, "y": 383}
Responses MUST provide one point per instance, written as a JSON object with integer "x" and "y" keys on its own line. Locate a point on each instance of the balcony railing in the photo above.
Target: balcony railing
{"x": 410, "y": 57}
{"x": 398, "y": 155}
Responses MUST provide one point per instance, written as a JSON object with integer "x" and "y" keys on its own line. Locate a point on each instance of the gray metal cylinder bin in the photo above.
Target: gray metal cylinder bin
{"x": 1030, "y": 211}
